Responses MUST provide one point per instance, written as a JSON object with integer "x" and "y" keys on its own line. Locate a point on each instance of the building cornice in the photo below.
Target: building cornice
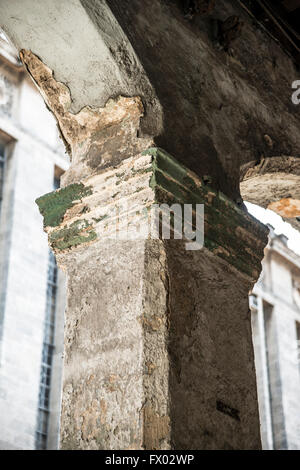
{"x": 275, "y": 245}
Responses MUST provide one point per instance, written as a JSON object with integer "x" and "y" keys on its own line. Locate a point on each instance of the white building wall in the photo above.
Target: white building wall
{"x": 286, "y": 314}
{"x": 281, "y": 362}
{"x": 36, "y": 150}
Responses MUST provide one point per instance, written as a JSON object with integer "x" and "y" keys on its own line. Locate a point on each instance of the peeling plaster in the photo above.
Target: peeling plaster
{"x": 286, "y": 207}
{"x": 94, "y": 137}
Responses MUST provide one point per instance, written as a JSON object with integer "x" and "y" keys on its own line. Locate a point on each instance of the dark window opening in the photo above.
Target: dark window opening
{"x": 48, "y": 350}
{"x": 2, "y": 169}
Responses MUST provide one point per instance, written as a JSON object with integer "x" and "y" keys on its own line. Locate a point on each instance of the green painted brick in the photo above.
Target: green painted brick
{"x": 75, "y": 234}
{"x": 53, "y": 206}
{"x": 173, "y": 182}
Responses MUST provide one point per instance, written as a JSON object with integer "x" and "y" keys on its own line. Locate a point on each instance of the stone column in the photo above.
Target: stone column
{"x": 158, "y": 346}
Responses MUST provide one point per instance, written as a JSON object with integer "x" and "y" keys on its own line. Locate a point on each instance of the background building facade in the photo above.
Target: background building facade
{"x": 31, "y": 289}
{"x": 275, "y": 306}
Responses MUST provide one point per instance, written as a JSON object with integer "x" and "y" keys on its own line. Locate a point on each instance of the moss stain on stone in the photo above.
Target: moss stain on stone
{"x": 53, "y": 206}
{"x": 77, "y": 233}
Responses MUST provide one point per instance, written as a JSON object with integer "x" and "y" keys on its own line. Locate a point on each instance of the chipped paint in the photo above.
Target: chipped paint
{"x": 173, "y": 182}
{"x": 286, "y": 207}
{"x": 274, "y": 183}
{"x": 75, "y": 234}
{"x": 54, "y": 205}
{"x": 94, "y": 137}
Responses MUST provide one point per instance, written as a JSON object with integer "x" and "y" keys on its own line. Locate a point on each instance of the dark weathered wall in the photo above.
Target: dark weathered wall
{"x": 217, "y": 106}
{"x": 213, "y": 401}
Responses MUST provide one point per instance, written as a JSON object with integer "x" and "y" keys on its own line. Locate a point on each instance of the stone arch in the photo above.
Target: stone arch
{"x": 274, "y": 183}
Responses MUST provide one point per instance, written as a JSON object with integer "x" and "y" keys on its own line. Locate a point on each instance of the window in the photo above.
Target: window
{"x": 47, "y": 353}
{"x": 274, "y": 377}
{"x": 2, "y": 169}
{"x": 296, "y": 291}
{"x": 298, "y": 343}
{"x": 42, "y": 429}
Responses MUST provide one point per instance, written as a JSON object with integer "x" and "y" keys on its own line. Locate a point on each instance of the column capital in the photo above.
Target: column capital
{"x": 98, "y": 208}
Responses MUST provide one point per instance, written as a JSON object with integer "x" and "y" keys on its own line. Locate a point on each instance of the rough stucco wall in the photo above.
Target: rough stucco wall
{"x": 96, "y": 138}
{"x": 212, "y": 381}
{"x": 148, "y": 360}
{"x": 102, "y": 394}
{"x": 116, "y": 363}
{"x": 155, "y": 314}
{"x": 46, "y": 29}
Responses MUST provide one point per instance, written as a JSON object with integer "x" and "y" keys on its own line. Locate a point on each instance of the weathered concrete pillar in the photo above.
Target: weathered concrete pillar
{"x": 158, "y": 347}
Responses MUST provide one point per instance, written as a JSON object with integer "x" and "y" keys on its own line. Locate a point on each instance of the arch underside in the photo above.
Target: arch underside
{"x": 274, "y": 183}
